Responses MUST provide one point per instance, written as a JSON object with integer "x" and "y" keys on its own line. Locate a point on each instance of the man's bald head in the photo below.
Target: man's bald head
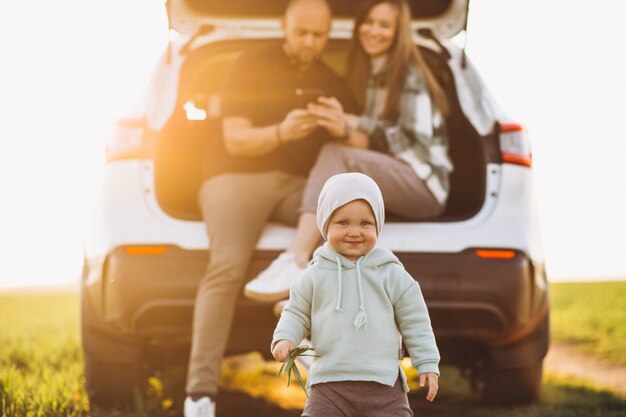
{"x": 306, "y": 26}
{"x": 320, "y": 5}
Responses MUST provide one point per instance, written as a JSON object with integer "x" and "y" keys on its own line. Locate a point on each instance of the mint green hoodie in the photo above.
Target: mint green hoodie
{"x": 357, "y": 314}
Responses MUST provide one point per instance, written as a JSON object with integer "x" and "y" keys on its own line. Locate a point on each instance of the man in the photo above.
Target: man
{"x": 272, "y": 141}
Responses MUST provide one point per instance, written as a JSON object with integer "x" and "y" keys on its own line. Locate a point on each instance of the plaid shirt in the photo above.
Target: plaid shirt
{"x": 417, "y": 136}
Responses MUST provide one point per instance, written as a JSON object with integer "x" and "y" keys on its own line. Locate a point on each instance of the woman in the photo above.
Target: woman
{"x": 402, "y": 124}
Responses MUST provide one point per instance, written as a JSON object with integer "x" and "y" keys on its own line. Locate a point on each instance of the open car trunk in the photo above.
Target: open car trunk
{"x": 445, "y": 18}
{"x": 191, "y": 143}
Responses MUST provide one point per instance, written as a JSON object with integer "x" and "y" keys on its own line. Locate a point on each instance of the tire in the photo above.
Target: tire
{"x": 111, "y": 384}
{"x": 113, "y": 363}
{"x": 511, "y": 375}
{"x": 504, "y": 387}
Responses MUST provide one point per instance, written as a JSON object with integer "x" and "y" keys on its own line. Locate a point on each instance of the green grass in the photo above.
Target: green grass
{"x": 41, "y": 367}
{"x": 40, "y": 357}
{"x": 592, "y": 316}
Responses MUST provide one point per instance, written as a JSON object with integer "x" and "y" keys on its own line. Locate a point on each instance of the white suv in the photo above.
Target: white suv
{"x": 480, "y": 265}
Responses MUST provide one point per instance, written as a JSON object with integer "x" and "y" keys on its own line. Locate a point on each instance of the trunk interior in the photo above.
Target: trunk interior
{"x": 186, "y": 148}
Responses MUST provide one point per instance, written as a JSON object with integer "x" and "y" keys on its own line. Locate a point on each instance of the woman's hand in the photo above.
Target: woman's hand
{"x": 328, "y": 113}
{"x": 281, "y": 350}
{"x": 329, "y": 102}
{"x": 433, "y": 385}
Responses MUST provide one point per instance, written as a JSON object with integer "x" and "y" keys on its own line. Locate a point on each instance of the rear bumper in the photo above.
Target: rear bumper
{"x": 150, "y": 298}
{"x": 492, "y": 301}
{"x": 486, "y": 302}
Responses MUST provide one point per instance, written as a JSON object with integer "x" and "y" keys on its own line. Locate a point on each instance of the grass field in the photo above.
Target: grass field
{"x": 41, "y": 366}
{"x": 592, "y": 316}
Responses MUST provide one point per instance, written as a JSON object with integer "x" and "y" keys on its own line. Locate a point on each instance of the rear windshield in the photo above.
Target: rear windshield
{"x": 420, "y": 9}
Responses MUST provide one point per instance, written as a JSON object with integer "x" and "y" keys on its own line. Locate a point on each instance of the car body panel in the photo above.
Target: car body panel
{"x": 506, "y": 219}
{"x": 188, "y": 18}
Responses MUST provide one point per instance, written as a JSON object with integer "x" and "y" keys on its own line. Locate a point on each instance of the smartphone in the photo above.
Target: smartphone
{"x": 308, "y": 95}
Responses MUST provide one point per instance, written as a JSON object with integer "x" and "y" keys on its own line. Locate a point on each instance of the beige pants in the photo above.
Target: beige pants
{"x": 235, "y": 208}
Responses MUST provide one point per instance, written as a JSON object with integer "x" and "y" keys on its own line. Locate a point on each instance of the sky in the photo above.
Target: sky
{"x": 69, "y": 69}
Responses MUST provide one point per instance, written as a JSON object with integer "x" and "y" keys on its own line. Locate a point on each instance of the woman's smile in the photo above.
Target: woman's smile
{"x": 378, "y": 31}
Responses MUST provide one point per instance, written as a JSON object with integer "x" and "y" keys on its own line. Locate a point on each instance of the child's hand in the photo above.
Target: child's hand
{"x": 281, "y": 350}
{"x": 433, "y": 386}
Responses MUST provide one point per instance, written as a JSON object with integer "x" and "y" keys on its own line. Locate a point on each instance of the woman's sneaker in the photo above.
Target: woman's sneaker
{"x": 204, "y": 407}
{"x": 273, "y": 283}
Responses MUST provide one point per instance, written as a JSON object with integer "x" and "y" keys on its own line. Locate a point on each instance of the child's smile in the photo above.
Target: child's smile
{"x": 352, "y": 229}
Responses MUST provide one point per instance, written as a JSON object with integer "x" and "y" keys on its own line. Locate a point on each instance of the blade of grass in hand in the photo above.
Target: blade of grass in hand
{"x": 289, "y": 366}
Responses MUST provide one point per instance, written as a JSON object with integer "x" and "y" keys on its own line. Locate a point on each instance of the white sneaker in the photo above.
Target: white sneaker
{"x": 279, "y": 307}
{"x": 204, "y": 407}
{"x": 273, "y": 283}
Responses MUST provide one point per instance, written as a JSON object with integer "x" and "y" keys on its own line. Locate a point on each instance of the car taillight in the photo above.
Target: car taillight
{"x": 125, "y": 143}
{"x": 146, "y": 250}
{"x": 495, "y": 253}
{"x": 514, "y": 145}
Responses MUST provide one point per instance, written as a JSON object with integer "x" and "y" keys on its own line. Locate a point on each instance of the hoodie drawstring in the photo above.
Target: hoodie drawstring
{"x": 339, "y": 285}
{"x": 361, "y": 317}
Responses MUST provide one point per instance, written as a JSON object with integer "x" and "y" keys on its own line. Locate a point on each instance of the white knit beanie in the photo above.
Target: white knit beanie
{"x": 341, "y": 189}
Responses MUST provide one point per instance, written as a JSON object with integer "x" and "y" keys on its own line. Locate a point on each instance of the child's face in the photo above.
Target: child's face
{"x": 352, "y": 229}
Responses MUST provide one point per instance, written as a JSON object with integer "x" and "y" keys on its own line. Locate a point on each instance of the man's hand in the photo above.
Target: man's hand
{"x": 297, "y": 125}
{"x": 329, "y": 114}
{"x": 433, "y": 385}
{"x": 281, "y": 350}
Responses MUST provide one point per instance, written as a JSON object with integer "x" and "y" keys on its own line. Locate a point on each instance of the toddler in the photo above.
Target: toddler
{"x": 358, "y": 304}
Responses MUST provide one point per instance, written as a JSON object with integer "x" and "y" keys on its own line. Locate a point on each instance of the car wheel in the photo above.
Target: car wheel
{"x": 113, "y": 363}
{"x": 500, "y": 387}
{"x": 111, "y": 384}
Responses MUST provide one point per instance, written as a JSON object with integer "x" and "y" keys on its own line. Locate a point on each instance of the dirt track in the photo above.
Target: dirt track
{"x": 566, "y": 360}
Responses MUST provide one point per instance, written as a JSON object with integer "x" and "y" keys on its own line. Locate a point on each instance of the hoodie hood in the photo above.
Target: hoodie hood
{"x": 327, "y": 258}
{"x": 341, "y": 189}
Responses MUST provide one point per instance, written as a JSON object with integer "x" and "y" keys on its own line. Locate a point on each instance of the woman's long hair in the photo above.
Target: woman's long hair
{"x": 402, "y": 55}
